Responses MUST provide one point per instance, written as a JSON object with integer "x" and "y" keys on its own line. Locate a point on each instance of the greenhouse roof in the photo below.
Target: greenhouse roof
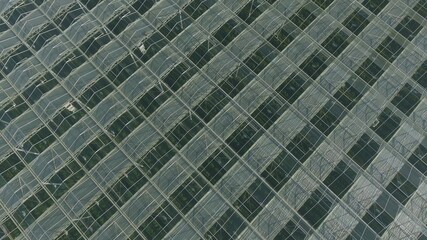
{"x": 213, "y": 119}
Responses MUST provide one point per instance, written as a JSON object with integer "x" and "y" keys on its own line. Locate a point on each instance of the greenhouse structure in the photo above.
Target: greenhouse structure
{"x": 213, "y": 119}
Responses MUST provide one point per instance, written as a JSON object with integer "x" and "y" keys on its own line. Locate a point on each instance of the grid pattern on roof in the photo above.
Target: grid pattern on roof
{"x": 213, "y": 119}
